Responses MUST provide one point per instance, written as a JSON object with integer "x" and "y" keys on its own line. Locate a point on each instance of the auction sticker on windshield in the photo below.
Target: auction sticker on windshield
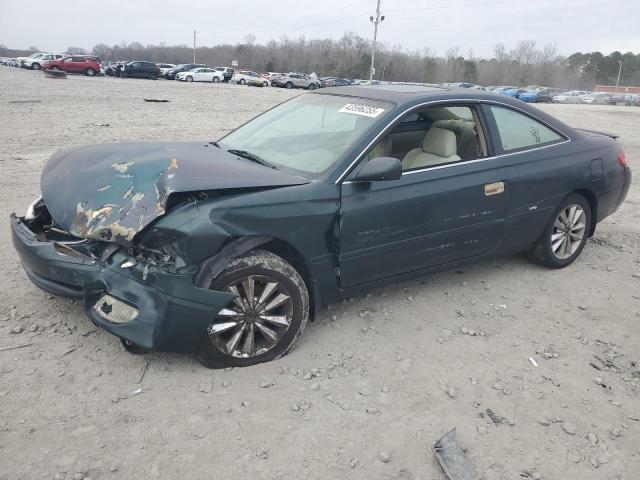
{"x": 364, "y": 110}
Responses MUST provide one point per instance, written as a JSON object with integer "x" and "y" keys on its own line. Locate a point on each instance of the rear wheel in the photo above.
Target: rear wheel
{"x": 55, "y": 68}
{"x": 35, "y": 66}
{"x": 312, "y": 86}
{"x": 242, "y": 81}
{"x": 215, "y": 79}
{"x": 153, "y": 76}
{"x": 565, "y": 235}
{"x": 268, "y": 315}
{"x": 289, "y": 85}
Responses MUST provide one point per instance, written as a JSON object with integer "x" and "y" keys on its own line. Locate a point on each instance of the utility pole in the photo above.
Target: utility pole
{"x": 375, "y": 22}
{"x": 194, "y": 46}
{"x": 619, "y": 72}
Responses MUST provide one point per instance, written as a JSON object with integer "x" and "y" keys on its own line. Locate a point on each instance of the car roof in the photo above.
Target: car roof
{"x": 406, "y": 96}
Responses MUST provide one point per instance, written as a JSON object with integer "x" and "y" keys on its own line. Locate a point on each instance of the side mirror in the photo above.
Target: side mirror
{"x": 380, "y": 168}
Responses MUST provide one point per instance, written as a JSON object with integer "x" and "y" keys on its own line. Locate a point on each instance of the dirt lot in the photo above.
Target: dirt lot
{"x": 374, "y": 381}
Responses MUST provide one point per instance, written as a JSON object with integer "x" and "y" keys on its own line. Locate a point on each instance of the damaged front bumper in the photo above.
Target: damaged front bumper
{"x": 165, "y": 311}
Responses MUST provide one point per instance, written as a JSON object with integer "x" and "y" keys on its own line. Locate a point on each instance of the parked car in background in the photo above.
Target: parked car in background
{"x": 542, "y": 95}
{"x": 334, "y": 82}
{"x": 227, "y": 73}
{"x": 75, "y": 64}
{"x": 298, "y": 80}
{"x": 503, "y": 88}
{"x": 164, "y": 68}
{"x": 595, "y": 98}
{"x": 243, "y": 77}
{"x": 201, "y": 74}
{"x": 513, "y": 92}
{"x": 9, "y": 61}
{"x": 140, "y": 69}
{"x": 36, "y": 60}
{"x": 227, "y": 249}
{"x": 572, "y": 96}
{"x": 183, "y": 67}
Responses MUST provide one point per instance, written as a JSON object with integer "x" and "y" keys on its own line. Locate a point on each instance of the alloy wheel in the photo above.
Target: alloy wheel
{"x": 568, "y": 231}
{"x": 256, "y": 321}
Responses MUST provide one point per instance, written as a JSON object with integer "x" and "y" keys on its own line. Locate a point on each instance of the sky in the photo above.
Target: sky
{"x": 573, "y": 25}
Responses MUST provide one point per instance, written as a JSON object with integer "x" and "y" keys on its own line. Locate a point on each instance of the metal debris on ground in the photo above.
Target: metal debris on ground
{"x": 55, "y": 74}
{"x": 452, "y": 459}
{"x": 156, "y": 100}
{"x": 15, "y": 347}
{"x": 25, "y": 101}
{"x": 496, "y": 419}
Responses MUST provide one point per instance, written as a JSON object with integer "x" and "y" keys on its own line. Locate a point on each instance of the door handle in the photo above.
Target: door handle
{"x": 494, "y": 189}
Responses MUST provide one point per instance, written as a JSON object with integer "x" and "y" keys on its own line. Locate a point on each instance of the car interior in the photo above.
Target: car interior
{"x": 434, "y": 136}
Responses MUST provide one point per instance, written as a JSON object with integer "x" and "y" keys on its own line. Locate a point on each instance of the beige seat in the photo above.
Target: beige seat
{"x": 438, "y": 146}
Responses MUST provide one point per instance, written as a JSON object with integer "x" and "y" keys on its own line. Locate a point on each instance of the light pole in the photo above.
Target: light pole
{"x": 375, "y": 22}
{"x": 619, "y": 72}
{"x": 194, "y": 46}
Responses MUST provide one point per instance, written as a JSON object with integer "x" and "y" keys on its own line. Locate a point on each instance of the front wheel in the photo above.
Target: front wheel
{"x": 566, "y": 234}
{"x": 215, "y": 79}
{"x": 153, "y": 76}
{"x": 242, "y": 81}
{"x": 35, "y": 66}
{"x": 289, "y": 85}
{"x": 89, "y": 72}
{"x": 312, "y": 86}
{"x": 268, "y": 315}
{"x": 189, "y": 78}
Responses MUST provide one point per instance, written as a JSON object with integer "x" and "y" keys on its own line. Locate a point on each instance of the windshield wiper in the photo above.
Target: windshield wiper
{"x": 253, "y": 157}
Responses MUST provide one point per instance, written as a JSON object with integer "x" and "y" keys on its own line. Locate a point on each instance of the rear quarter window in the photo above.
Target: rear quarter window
{"x": 518, "y": 131}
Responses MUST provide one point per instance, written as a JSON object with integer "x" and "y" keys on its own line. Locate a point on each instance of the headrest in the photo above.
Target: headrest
{"x": 439, "y": 141}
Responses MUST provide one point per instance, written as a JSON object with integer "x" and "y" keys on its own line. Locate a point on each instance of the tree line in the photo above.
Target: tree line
{"x": 525, "y": 63}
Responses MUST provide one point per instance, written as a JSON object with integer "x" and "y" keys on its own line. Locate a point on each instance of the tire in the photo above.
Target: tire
{"x": 189, "y": 78}
{"x": 266, "y": 84}
{"x": 553, "y": 249}
{"x": 242, "y": 81}
{"x": 123, "y": 75}
{"x": 312, "y": 86}
{"x": 289, "y": 85}
{"x": 215, "y": 79}
{"x": 35, "y": 66}
{"x": 288, "y": 317}
{"x": 55, "y": 68}
{"x": 153, "y": 76}
{"x": 89, "y": 72}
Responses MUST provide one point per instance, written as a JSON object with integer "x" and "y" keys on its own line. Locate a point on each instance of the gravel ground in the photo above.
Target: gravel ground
{"x": 374, "y": 381}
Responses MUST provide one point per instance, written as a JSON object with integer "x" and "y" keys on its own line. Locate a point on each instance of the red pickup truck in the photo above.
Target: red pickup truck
{"x": 75, "y": 64}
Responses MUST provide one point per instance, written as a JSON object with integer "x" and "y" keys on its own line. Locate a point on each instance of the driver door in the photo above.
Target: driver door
{"x": 431, "y": 216}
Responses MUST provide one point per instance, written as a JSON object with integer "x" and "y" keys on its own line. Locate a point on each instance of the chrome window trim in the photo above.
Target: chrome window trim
{"x": 470, "y": 102}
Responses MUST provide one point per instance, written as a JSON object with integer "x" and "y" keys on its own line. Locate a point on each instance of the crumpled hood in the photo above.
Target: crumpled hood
{"x": 111, "y": 192}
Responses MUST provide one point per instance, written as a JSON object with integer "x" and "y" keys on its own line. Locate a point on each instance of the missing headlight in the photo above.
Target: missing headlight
{"x": 114, "y": 310}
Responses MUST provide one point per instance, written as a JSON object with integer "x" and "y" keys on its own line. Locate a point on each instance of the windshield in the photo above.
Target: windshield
{"x": 309, "y": 133}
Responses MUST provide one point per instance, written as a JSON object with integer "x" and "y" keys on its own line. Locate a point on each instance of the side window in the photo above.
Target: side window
{"x": 432, "y": 137}
{"x": 518, "y": 131}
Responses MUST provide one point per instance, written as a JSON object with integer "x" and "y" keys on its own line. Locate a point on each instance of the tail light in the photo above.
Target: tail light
{"x": 622, "y": 160}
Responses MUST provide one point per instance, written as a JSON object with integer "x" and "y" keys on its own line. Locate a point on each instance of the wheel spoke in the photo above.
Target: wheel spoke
{"x": 276, "y": 302}
{"x": 232, "y": 344}
{"x": 556, "y": 246}
{"x": 572, "y": 214}
{"x": 227, "y": 312}
{"x": 267, "y": 331}
{"x": 238, "y": 298}
{"x": 558, "y": 224}
{"x": 556, "y": 236}
{"x": 218, "y": 328}
{"x": 567, "y": 247}
{"x": 281, "y": 320}
{"x": 248, "y": 286}
{"x": 266, "y": 293}
{"x": 248, "y": 348}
